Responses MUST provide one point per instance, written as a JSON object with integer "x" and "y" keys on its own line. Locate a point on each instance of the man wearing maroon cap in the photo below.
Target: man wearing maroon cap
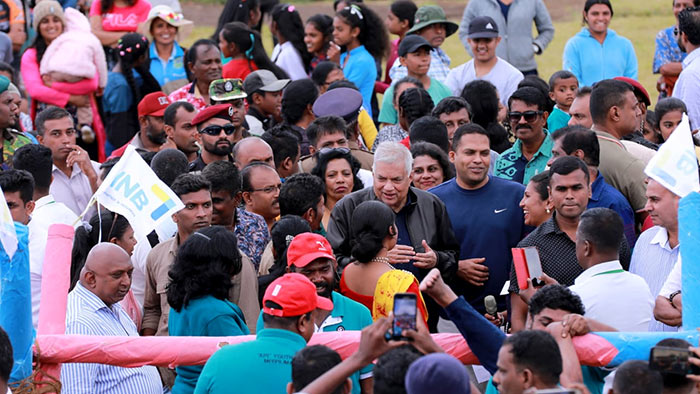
{"x": 264, "y": 365}
{"x": 643, "y": 101}
{"x": 151, "y": 135}
{"x": 217, "y": 134}
{"x": 311, "y": 255}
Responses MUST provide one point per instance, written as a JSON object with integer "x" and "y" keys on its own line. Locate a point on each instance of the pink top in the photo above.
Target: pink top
{"x": 122, "y": 18}
{"x": 59, "y": 92}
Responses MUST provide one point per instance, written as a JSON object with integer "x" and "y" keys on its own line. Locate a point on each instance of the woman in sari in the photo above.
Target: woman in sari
{"x": 371, "y": 280}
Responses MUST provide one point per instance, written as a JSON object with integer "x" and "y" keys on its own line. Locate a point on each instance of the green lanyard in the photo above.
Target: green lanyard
{"x": 610, "y": 272}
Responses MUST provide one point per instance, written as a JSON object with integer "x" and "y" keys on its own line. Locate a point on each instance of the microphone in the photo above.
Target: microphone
{"x": 491, "y": 305}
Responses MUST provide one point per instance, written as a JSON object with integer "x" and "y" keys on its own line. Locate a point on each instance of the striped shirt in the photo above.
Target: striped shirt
{"x": 87, "y": 314}
{"x": 653, "y": 259}
{"x": 439, "y": 67}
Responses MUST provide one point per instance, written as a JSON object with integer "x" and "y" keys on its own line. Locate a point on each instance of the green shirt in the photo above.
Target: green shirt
{"x": 203, "y": 317}
{"x": 557, "y": 119}
{"x": 260, "y": 366}
{"x": 346, "y": 315}
{"x": 437, "y": 92}
{"x": 507, "y": 167}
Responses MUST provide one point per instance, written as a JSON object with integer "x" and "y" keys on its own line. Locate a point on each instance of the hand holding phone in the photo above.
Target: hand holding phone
{"x": 672, "y": 360}
{"x": 405, "y": 311}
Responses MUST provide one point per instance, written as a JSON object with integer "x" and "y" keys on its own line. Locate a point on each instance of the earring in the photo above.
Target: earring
{"x": 548, "y": 210}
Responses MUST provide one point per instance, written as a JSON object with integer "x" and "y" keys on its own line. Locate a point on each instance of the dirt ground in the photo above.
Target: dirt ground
{"x": 208, "y": 14}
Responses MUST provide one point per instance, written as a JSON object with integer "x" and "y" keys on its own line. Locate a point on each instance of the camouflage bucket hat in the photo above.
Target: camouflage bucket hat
{"x": 226, "y": 89}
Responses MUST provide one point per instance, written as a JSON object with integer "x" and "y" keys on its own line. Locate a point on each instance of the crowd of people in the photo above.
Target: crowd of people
{"x": 315, "y": 188}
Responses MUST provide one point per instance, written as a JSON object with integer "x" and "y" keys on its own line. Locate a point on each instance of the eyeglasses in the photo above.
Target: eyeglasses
{"x": 323, "y": 152}
{"x": 530, "y": 116}
{"x": 268, "y": 189}
{"x": 215, "y": 130}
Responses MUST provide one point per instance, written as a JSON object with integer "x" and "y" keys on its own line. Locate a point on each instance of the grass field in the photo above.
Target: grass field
{"x": 638, "y": 21}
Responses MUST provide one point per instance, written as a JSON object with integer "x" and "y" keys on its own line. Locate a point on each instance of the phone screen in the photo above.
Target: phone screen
{"x": 670, "y": 360}
{"x": 404, "y": 313}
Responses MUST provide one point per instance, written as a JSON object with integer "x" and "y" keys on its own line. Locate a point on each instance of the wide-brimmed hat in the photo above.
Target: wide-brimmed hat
{"x": 184, "y": 26}
{"x": 430, "y": 15}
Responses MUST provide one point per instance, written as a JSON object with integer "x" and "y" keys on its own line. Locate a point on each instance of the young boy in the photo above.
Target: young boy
{"x": 563, "y": 86}
{"x": 414, "y": 54}
{"x": 264, "y": 92}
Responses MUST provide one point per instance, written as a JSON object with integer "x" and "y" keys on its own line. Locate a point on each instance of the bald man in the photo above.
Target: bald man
{"x": 252, "y": 149}
{"x": 93, "y": 309}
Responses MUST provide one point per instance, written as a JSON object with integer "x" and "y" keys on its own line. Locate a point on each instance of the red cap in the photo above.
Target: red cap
{"x": 638, "y": 88}
{"x": 223, "y": 111}
{"x": 153, "y": 104}
{"x": 307, "y": 247}
{"x": 296, "y": 295}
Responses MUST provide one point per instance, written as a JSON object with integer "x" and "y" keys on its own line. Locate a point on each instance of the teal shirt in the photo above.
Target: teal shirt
{"x": 260, "y": 366}
{"x": 346, "y": 315}
{"x": 437, "y": 92}
{"x": 203, "y": 317}
{"x": 507, "y": 165}
{"x": 557, "y": 119}
{"x": 593, "y": 378}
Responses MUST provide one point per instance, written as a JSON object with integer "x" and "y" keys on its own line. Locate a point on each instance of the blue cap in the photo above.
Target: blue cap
{"x": 343, "y": 102}
{"x": 437, "y": 370}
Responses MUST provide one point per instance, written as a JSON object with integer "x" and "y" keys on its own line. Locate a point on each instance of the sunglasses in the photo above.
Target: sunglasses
{"x": 530, "y": 116}
{"x": 323, "y": 152}
{"x": 215, "y": 130}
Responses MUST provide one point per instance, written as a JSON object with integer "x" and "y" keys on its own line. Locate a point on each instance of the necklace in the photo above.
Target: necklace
{"x": 384, "y": 260}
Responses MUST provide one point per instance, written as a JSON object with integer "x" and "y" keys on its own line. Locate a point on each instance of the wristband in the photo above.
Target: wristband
{"x": 670, "y": 297}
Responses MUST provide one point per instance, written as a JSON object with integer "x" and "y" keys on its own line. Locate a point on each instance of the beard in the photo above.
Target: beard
{"x": 156, "y": 138}
{"x": 327, "y": 289}
{"x": 217, "y": 150}
{"x": 680, "y": 43}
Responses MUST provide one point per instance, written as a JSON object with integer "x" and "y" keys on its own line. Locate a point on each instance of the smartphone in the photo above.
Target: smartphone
{"x": 672, "y": 360}
{"x": 558, "y": 391}
{"x": 404, "y": 314}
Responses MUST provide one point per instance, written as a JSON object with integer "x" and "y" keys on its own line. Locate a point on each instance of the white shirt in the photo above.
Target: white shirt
{"x": 687, "y": 86}
{"x": 639, "y": 151}
{"x": 673, "y": 281}
{"x": 366, "y": 177}
{"x": 503, "y": 76}
{"x": 615, "y": 297}
{"x": 255, "y": 126}
{"x": 288, "y": 59}
{"x": 165, "y": 230}
{"x": 653, "y": 259}
{"x": 75, "y": 192}
{"x": 46, "y": 212}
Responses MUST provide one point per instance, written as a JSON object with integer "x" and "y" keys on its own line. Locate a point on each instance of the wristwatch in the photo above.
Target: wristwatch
{"x": 670, "y": 297}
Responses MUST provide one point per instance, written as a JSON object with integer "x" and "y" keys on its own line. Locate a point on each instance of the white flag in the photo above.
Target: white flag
{"x": 675, "y": 165}
{"x": 133, "y": 190}
{"x": 8, "y": 235}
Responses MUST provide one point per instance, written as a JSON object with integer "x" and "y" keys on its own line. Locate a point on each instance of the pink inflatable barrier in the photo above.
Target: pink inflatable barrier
{"x": 592, "y": 349}
{"x": 54, "y": 288}
{"x": 52, "y": 310}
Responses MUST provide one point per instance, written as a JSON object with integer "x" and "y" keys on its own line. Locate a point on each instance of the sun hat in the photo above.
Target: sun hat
{"x": 184, "y": 26}
{"x": 430, "y": 15}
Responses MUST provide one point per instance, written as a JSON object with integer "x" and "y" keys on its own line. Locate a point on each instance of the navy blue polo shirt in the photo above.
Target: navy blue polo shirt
{"x": 487, "y": 222}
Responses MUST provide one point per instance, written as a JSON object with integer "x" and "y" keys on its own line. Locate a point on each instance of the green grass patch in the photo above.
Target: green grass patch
{"x": 638, "y": 22}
